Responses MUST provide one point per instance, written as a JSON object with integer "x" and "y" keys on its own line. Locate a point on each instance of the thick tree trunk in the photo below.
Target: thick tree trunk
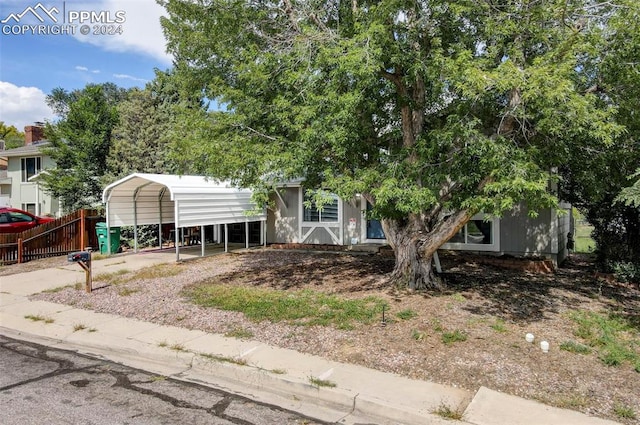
{"x": 414, "y": 245}
{"x": 413, "y": 268}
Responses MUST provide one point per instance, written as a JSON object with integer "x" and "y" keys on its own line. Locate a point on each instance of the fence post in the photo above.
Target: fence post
{"x": 20, "y": 250}
{"x": 83, "y": 229}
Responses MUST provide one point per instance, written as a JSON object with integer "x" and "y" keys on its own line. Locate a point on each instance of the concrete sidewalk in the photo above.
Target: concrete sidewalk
{"x": 273, "y": 375}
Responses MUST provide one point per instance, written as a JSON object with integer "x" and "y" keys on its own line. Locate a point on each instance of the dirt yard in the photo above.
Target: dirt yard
{"x": 492, "y": 308}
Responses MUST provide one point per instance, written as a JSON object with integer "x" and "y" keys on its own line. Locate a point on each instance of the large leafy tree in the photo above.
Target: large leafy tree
{"x": 432, "y": 110}
{"x": 148, "y": 119}
{"x": 80, "y": 142}
{"x": 12, "y": 137}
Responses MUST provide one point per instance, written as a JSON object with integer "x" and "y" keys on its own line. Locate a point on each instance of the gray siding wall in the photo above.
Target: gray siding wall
{"x": 545, "y": 235}
{"x": 351, "y": 210}
{"x": 523, "y": 235}
{"x": 520, "y": 235}
{"x": 283, "y": 221}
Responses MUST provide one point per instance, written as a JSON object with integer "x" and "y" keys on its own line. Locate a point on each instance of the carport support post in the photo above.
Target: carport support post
{"x": 135, "y": 222}
{"x": 135, "y": 229}
{"x": 226, "y": 237}
{"x": 177, "y": 238}
{"x": 202, "y": 240}
{"x": 108, "y": 228}
{"x": 246, "y": 235}
{"x": 160, "y": 214}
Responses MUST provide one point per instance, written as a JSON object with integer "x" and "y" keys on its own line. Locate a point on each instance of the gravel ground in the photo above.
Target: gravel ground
{"x": 493, "y": 308}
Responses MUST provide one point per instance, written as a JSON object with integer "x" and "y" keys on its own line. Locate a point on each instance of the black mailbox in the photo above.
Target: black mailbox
{"x": 76, "y": 257}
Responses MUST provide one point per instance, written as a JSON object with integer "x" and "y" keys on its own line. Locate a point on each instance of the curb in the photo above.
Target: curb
{"x": 333, "y": 405}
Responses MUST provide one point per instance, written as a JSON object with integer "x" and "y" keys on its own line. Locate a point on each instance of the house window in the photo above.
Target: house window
{"x": 30, "y": 167}
{"x": 478, "y": 234}
{"x": 29, "y": 208}
{"x": 474, "y": 232}
{"x": 328, "y": 213}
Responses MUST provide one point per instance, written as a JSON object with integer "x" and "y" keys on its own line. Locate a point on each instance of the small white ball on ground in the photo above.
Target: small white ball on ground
{"x": 544, "y": 346}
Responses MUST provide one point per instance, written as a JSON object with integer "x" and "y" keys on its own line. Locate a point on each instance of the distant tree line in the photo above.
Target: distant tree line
{"x": 106, "y": 132}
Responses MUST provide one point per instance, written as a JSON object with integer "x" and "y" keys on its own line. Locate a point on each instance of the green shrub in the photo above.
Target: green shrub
{"x": 626, "y": 271}
{"x": 147, "y": 235}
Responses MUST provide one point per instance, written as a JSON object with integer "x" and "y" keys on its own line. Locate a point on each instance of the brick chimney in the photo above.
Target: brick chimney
{"x": 33, "y": 133}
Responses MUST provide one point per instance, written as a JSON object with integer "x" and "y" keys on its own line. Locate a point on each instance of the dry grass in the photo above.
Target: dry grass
{"x": 470, "y": 335}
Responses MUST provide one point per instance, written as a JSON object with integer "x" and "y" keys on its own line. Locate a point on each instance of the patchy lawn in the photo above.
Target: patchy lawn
{"x": 471, "y": 335}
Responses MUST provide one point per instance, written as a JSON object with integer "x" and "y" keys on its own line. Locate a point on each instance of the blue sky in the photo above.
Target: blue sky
{"x": 33, "y": 63}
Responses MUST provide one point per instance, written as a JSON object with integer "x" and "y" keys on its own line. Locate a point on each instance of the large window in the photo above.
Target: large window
{"x": 478, "y": 234}
{"x": 30, "y": 167}
{"x": 327, "y": 213}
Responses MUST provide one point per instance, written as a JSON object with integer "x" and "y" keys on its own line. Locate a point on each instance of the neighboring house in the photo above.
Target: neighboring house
{"x": 344, "y": 223}
{"x": 19, "y": 187}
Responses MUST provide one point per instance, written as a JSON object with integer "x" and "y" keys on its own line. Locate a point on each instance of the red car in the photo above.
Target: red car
{"x": 13, "y": 220}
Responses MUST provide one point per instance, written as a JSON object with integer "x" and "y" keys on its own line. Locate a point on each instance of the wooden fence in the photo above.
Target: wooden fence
{"x": 73, "y": 232}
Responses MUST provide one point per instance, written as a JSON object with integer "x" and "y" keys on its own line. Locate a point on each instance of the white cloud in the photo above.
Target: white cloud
{"x": 130, "y": 77}
{"x": 21, "y": 106}
{"x": 85, "y": 69}
{"x": 141, "y": 31}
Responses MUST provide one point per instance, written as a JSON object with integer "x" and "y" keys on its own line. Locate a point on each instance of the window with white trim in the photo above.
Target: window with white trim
{"x": 479, "y": 234}
{"x": 327, "y": 213}
{"x": 30, "y": 167}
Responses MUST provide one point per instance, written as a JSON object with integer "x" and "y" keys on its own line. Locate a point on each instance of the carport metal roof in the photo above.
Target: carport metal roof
{"x": 187, "y": 201}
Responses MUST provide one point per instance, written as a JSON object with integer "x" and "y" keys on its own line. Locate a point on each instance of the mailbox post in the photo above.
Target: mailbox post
{"x": 83, "y": 258}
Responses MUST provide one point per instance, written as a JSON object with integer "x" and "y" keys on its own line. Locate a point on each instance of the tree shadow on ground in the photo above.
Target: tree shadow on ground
{"x": 513, "y": 295}
{"x": 527, "y": 297}
{"x": 287, "y": 270}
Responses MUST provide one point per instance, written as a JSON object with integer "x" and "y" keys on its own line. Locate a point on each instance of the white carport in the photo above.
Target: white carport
{"x": 187, "y": 201}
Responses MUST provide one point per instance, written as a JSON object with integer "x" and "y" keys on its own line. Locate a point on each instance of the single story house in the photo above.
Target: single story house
{"x": 343, "y": 222}
{"x": 226, "y": 213}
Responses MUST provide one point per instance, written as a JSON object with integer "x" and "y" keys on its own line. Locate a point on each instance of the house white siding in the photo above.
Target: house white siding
{"x": 22, "y": 193}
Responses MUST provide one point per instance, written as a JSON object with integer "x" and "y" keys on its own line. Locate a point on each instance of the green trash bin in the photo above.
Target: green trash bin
{"x": 103, "y": 238}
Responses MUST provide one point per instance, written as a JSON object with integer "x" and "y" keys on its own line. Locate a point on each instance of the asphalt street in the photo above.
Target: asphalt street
{"x": 40, "y": 384}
